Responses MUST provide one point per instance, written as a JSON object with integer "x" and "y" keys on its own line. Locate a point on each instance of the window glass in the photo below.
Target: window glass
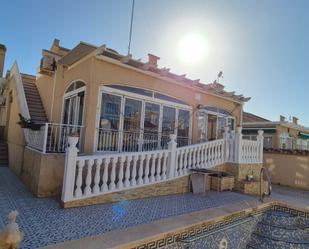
{"x": 168, "y": 120}
{"x": 152, "y": 114}
{"x": 75, "y": 85}
{"x": 221, "y": 125}
{"x": 110, "y": 112}
{"x": 132, "y": 115}
{"x": 202, "y": 127}
{"x": 183, "y": 127}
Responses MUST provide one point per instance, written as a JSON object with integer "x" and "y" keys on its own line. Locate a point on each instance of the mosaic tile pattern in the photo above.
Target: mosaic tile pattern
{"x": 270, "y": 230}
{"x": 44, "y": 222}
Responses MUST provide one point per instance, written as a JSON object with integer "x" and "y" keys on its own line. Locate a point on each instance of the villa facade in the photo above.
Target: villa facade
{"x": 282, "y": 134}
{"x": 135, "y": 123}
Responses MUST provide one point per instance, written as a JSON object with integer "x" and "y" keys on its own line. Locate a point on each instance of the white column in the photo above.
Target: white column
{"x": 69, "y": 169}
{"x": 238, "y": 145}
{"x": 260, "y": 139}
{"x": 172, "y": 146}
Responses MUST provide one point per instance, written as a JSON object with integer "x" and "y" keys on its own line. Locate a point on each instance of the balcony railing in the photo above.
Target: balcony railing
{"x": 52, "y": 138}
{"x": 128, "y": 141}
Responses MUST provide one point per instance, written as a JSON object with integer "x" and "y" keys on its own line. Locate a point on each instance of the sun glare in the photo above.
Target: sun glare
{"x": 192, "y": 48}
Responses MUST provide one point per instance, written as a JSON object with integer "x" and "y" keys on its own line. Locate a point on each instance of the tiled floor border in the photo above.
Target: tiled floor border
{"x": 214, "y": 225}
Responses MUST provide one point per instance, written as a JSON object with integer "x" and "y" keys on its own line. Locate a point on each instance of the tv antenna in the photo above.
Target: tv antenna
{"x": 131, "y": 27}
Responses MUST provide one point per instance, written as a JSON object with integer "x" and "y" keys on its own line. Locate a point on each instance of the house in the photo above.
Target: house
{"x": 116, "y": 105}
{"x": 282, "y": 134}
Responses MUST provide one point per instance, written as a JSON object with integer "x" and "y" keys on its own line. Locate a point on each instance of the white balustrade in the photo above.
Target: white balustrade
{"x": 100, "y": 174}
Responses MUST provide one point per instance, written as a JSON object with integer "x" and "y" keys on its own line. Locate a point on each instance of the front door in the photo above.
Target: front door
{"x": 72, "y": 118}
{"x": 73, "y": 109}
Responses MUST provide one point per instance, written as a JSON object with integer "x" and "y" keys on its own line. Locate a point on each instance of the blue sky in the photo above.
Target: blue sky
{"x": 261, "y": 46}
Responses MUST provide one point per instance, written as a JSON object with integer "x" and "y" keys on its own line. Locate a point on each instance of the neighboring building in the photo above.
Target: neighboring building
{"x": 280, "y": 134}
{"x": 114, "y": 103}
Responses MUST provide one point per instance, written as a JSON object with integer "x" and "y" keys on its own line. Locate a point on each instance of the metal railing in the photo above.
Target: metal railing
{"x": 132, "y": 141}
{"x": 269, "y": 189}
{"x": 52, "y": 137}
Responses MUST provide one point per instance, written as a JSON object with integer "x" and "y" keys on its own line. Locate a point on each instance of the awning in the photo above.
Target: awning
{"x": 303, "y": 135}
{"x": 254, "y": 131}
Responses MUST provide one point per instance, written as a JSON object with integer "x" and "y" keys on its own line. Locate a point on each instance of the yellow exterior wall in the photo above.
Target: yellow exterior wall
{"x": 43, "y": 174}
{"x": 282, "y": 129}
{"x": 96, "y": 73}
{"x": 288, "y": 170}
{"x": 15, "y": 136}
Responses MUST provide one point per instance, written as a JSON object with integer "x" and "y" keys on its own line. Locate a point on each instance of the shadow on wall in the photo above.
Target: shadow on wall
{"x": 288, "y": 170}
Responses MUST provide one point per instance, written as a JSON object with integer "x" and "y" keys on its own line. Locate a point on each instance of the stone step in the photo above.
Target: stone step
{"x": 282, "y": 234}
{"x": 281, "y": 219}
{"x": 260, "y": 242}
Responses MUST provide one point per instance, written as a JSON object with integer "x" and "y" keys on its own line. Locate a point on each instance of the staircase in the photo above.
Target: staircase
{"x": 4, "y": 162}
{"x": 280, "y": 230}
{"x": 34, "y": 102}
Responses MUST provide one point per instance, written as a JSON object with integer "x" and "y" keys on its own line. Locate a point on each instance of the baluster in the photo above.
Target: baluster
{"x": 158, "y": 171}
{"x": 153, "y": 167}
{"x": 133, "y": 177}
{"x": 79, "y": 180}
{"x": 88, "y": 177}
{"x": 140, "y": 170}
{"x": 120, "y": 173}
{"x": 104, "y": 186}
{"x": 180, "y": 170}
{"x": 112, "y": 184}
{"x": 185, "y": 160}
{"x": 146, "y": 176}
{"x": 202, "y": 156}
{"x": 189, "y": 158}
{"x": 128, "y": 172}
{"x": 212, "y": 154}
{"x": 164, "y": 168}
{"x": 96, "y": 188}
{"x": 194, "y": 158}
{"x": 198, "y": 157}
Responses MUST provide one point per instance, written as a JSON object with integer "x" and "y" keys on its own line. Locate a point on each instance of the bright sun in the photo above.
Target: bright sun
{"x": 192, "y": 48}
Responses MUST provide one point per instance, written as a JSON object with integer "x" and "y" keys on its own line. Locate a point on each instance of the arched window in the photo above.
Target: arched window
{"x": 75, "y": 86}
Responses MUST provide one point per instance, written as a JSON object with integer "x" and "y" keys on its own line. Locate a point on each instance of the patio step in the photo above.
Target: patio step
{"x": 34, "y": 102}
{"x": 4, "y": 160}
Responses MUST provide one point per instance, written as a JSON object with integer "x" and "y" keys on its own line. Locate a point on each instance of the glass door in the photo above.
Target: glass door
{"x": 168, "y": 125}
{"x": 151, "y": 126}
{"x": 131, "y": 124}
{"x": 211, "y": 127}
{"x": 109, "y": 123}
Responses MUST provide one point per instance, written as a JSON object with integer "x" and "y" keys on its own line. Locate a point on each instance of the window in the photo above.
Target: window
{"x": 183, "y": 127}
{"x": 211, "y": 123}
{"x": 110, "y": 112}
{"x": 129, "y": 122}
{"x": 75, "y": 85}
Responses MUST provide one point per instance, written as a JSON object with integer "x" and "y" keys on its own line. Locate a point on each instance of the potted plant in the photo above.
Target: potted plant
{"x": 24, "y": 122}
{"x": 73, "y": 138}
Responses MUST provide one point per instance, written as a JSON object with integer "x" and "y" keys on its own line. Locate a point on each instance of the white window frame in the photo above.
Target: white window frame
{"x": 217, "y": 114}
{"x": 125, "y": 94}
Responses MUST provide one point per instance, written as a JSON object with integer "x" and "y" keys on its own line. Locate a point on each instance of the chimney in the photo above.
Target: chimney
{"x": 282, "y": 118}
{"x": 295, "y": 120}
{"x": 153, "y": 60}
{"x": 2, "y": 57}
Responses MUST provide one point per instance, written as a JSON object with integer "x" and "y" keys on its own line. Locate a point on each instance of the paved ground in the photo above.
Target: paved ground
{"x": 45, "y": 223}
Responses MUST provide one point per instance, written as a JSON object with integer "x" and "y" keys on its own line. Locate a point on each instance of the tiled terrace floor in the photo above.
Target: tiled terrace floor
{"x": 45, "y": 223}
